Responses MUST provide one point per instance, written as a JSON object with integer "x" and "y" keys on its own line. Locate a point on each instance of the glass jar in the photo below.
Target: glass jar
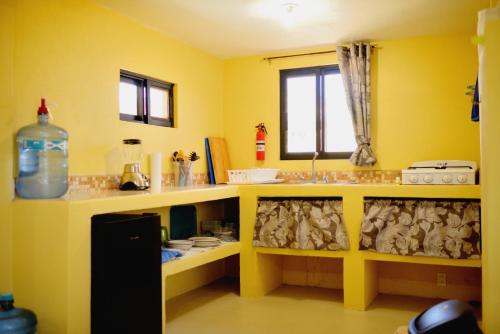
{"x": 132, "y": 151}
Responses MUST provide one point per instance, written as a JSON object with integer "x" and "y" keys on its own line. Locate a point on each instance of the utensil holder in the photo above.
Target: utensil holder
{"x": 183, "y": 173}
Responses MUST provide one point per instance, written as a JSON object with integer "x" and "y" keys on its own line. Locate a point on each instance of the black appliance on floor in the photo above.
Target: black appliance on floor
{"x": 126, "y": 274}
{"x": 448, "y": 317}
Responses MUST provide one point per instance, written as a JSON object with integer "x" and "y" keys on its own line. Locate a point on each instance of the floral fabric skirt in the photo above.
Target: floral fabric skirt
{"x": 443, "y": 228}
{"x": 300, "y": 224}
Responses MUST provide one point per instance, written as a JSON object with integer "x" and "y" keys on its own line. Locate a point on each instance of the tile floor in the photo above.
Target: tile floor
{"x": 218, "y": 309}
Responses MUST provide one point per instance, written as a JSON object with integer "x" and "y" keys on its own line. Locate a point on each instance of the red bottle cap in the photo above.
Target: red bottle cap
{"x": 43, "y": 109}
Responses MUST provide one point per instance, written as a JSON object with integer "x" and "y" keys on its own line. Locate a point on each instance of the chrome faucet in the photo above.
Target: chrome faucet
{"x": 313, "y": 174}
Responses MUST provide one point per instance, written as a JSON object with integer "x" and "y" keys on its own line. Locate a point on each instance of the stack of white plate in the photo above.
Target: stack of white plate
{"x": 180, "y": 244}
{"x": 205, "y": 241}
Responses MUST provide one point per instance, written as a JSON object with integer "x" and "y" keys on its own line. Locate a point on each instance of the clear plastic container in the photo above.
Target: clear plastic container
{"x": 43, "y": 159}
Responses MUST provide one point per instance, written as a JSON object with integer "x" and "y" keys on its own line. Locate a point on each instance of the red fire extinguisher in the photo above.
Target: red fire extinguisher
{"x": 261, "y": 141}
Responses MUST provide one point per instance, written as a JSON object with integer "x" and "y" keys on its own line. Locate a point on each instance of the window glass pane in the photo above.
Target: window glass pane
{"x": 128, "y": 98}
{"x": 339, "y": 133}
{"x": 158, "y": 102}
{"x": 301, "y": 114}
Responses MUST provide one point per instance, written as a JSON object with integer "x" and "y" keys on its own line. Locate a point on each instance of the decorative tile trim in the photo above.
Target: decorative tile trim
{"x": 349, "y": 176}
{"x": 97, "y": 183}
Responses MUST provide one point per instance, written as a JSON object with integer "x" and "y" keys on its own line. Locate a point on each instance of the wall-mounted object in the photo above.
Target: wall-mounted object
{"x": 473, "y": 92}
{"x": 260, "y": 141}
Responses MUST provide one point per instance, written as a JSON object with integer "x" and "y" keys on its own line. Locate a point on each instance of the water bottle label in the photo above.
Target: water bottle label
{"x": 44, "y": 145}
{"x": 34, "y": 145}
{"x": 55, "y": 145}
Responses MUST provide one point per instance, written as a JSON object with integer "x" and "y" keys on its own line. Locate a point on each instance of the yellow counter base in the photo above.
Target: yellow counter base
{"x": 51, "y": 245}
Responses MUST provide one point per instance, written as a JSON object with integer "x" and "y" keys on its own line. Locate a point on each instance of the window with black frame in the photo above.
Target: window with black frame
{"x": 314, "y": 116}
{"x": 146, "y": 100}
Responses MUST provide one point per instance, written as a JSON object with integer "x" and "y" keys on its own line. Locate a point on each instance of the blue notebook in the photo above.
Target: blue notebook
{"x": 209, "y": 163}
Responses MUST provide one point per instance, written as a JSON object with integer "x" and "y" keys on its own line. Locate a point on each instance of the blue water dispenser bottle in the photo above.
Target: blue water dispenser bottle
{"x": 43, "y": 158}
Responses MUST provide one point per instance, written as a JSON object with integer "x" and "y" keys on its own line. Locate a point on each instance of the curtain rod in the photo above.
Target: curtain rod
{"x": 300, "y": 55}
{"x": 305, "y": 54}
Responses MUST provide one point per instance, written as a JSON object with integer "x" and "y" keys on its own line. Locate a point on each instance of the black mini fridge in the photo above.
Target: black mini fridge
{"x": 126, "y": 274}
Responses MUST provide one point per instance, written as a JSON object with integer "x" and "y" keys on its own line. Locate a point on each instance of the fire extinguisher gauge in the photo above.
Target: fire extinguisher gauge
{"x": 261, "y": 127}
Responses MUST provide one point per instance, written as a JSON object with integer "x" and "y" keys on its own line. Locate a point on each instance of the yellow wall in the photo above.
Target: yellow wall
{"x": 72, "y": 52}
{"x": 6, "y": 140}
{"x": 393, "y": 278}
{"x": 420, "y": 111}
{"x": 312, "y": 271}
{"x": 421, "y": 280}
{"x": 490, "y": 158}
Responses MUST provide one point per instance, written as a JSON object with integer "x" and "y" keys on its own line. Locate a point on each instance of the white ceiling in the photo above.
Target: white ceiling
{"x": 232, "y": 28}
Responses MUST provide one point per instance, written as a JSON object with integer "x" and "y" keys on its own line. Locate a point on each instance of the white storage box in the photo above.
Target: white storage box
{"x": 253, "y": 175}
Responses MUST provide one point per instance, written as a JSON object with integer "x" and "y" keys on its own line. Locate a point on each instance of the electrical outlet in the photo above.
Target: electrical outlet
{"x": 441, "y": 279}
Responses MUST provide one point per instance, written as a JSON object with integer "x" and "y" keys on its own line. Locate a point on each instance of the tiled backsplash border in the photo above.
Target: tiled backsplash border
{"x": 354, "y": 176}
{"x": 79, "y": 183}
{"x": 96, "y": 183}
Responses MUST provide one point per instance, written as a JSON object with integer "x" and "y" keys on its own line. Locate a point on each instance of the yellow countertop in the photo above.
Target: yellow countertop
{"x": 117, "y": 201}
{"x": 206, "y": 189}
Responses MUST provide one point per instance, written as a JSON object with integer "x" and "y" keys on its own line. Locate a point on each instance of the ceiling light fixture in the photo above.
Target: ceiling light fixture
{"x": 290, "y": 13}
{"x": 289, "y": 16}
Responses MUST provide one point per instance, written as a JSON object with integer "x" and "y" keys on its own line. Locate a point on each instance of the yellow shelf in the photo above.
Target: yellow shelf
{"x": 300, "y": 252}
{"x": 372, "y": 256}
{"x": 362, "y": 190}
{"x": 196, "y": 260}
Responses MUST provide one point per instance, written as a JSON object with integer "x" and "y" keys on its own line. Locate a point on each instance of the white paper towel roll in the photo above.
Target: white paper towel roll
{"x": 156, "y": 176}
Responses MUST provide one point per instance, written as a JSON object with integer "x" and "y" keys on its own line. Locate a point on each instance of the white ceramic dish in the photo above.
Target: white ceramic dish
{"x": 205, "y": 241}
{"x": 180, "y": 244}
{"x": 219, "y": 234}
{"x": 206, "y": 244}
{"x": 208, "y": 239}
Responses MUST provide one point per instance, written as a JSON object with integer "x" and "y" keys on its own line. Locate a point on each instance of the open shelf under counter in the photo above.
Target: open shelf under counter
{"x": 441, "y": 261}
{"x": 196, "y": 258}
{"x": 300, "y": 252}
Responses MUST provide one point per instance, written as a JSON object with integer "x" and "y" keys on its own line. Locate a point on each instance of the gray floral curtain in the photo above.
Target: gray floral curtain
{"x": 300, "y": 224}
{"x": 354, "y": 64}
{"x": 443, "y": 228}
